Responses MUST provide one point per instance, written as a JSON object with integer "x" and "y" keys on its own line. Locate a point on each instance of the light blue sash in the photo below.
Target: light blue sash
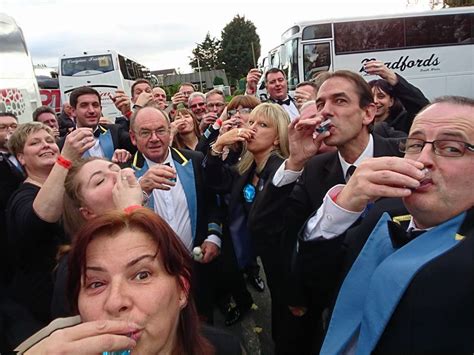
{"x": 376, "y": 282}
{"x": 185, "y": 173}
{"x": 106, "y": 143}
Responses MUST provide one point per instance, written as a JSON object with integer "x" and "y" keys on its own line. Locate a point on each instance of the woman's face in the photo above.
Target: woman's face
{"x": 125, "y": 280}
{"x": 40, "y": 151}
{"x": 97, "y": 179}
{"x": 240, "y": 115}
{"x": 265, "y": 138}
{"x": 383, "y": 102}
{"x": 184, "y": 123}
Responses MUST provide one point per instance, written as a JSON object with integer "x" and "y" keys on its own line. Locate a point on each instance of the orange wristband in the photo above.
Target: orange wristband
{"x": 131, "y": 208}
{"x": 65, "y": 163}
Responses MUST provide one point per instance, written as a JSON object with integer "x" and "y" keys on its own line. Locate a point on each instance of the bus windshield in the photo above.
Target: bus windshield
{"x": 90, "y": 65}
{"x": 290, "y": 63}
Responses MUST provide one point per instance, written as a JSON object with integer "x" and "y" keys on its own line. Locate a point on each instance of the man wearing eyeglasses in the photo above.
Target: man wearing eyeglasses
{"x": 215, "y": 105}
{"x": 174, "y": 181}
{"x": 197, "y": 104}
{"x": 409, "y": 281}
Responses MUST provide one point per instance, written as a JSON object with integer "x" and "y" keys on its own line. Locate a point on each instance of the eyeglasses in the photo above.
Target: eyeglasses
{"x": 199, "y": 104}
{"x": 146, "y": 133}
{"x": 215, "y": 104}
{"x": 240, "y": 111}
{"x": 4, "y": 127}
{"x": 442, "y": 147}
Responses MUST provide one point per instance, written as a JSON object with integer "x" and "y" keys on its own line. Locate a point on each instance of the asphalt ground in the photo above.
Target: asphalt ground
{"x": 254, "y": 329}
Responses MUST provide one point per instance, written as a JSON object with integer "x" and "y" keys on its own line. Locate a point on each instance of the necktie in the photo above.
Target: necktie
{"x": 284, "y": 102}
{"x": 399, "y": 236}
{"x": 350, "y": 172}
{"x": 97, "y": 132}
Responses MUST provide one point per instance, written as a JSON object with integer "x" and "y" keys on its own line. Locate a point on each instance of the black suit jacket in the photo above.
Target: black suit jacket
{"x": 120, "y": 138}
{"x": 286, "y": 208}
{"x": 435, "y": 314}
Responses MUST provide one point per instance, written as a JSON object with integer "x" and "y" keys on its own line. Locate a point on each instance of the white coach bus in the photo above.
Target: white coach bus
{"x": 433, "y": 50}
{"x": 105, "y": 71}
{"x": 19, "y": 92}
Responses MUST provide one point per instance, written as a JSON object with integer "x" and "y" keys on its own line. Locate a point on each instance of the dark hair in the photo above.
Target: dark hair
{"x": 172, "y": 253}
{"x": 177, "y": 139}
{"x": 8, "y": 114}
{"x": 40, "y": 110}
{"x": 139, "y": 81}
{"x": 308, "y": 83}
{"x": 449, "y": 99}
{"x": 247, "y": 101}
{"x": 385, "y": 87}
{"x": 361, "y": 87}
{"x": 453, "y": 99}
{"x": 273, "y": 71}
{"x": 83, "y": 90}
{"x": 320, "y": 78}
{"x": 188, "y": 84}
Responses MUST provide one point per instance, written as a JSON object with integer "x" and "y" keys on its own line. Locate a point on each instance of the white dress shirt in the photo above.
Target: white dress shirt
{"x": 172, "y": 206}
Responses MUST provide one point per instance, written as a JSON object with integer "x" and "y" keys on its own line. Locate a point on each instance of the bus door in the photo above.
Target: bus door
{"x": 317, "y": 58}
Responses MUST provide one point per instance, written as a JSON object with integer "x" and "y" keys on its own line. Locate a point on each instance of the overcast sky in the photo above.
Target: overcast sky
{"x": 162, "y": 34}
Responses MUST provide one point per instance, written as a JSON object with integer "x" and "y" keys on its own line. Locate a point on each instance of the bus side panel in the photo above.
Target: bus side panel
{"x": 436, "y": 71}
{"x": 20, "y": 97}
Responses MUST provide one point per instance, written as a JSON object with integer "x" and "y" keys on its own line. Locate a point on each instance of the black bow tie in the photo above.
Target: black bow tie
{"x": 283, "y": 102}
{"x": 399, "y": 236}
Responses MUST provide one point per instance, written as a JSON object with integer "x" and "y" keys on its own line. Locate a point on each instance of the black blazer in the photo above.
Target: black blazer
{"x": 120, "y": 138}
{"x": 286, "y": 208}
{"x": 435, "y": 314}
{"x": 223, "y": 179}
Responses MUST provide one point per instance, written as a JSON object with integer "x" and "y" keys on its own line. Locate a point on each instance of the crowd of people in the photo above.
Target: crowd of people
{"x": 356, "y": 197}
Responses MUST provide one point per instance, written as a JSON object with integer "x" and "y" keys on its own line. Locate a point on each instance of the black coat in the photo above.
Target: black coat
{"x": 435, "y": 314}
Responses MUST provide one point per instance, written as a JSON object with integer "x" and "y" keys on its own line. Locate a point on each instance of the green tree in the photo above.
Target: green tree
{"x": 208, "y": 53}
{"x": 237, "y": 39}
{"x": 218, "y": 81}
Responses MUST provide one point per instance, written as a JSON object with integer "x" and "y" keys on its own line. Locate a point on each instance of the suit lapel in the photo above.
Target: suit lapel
{"x": 106, "y": 143}
{"x": 185, "y": 171}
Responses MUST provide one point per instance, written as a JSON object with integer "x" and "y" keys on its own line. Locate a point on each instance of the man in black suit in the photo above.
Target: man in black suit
{"x": 299, "y": 186}
{"x": 112, "y": 142}
{"x": 410, "y": 289}
{"x": 174, "y": 180}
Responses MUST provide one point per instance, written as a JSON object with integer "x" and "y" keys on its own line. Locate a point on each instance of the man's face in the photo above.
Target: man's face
{"x": 159, "y": 96}
{"x": 276, "y": 85}
{"x": 67, "y": 109}
{"x": 337, "y": 99}
{"x": 198, "y": 105}
{"x": 49, "y": 119}
{"x": 7, "y": 127}
{"x": 138, "y": 89}
{"x": 151, "y": 134}
{"x": 186, "y": 90}
{"x": 215, "y": 103}
{"x": 448, "y": 188}
{"x": 87, "y": 111}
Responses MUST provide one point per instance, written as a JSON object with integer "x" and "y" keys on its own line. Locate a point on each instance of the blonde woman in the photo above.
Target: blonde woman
{"x": 265, "y": 138}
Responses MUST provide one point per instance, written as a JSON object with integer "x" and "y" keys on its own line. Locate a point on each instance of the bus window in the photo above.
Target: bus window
{"x": 317, "y": 31}
{"x": 439, "y": 30}
{"x": 90, "y": 65}
{"x": 365, "y": 36}
{"x": 290, "y": 63}
{"x": 316, "y": 58}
